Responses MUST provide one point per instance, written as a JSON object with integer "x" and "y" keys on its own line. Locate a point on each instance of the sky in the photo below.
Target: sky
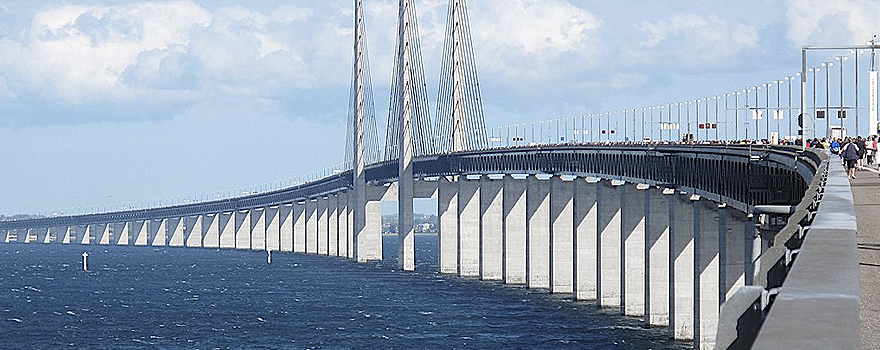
{"x": 107, "y": 102}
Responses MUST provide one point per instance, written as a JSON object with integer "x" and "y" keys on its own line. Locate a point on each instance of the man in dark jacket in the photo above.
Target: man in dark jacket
{"x": 850, "y": 153}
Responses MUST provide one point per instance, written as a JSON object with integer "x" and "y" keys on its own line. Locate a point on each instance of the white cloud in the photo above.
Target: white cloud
{"x": 699, "y": 39}
{"x": 532, "y": 38}
{"x": 86, "y": 53}
{"x": 823, "y": 22}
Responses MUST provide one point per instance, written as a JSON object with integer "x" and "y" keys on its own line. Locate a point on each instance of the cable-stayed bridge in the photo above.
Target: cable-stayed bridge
{"x": 699, "y": 238}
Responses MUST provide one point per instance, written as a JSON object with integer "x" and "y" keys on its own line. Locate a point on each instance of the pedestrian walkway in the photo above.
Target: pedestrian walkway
{"x": 866, "y": 194}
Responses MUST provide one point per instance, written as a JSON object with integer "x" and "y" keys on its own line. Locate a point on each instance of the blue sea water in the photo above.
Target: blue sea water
{"x": 176, "y": 298}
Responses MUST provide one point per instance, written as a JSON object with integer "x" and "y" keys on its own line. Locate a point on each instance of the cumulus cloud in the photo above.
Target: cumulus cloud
{"x": 824, "y": 22}
{"x": 84, "y": 53}
{"x": 699, "y": 39}
{"x": 533, "y": 38}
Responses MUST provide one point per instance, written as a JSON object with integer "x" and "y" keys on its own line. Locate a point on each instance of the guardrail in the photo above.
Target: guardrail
{"x": 806, "y": 292}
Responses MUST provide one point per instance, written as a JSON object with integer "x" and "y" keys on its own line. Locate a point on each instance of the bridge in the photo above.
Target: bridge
{"x": 731, "y": 246}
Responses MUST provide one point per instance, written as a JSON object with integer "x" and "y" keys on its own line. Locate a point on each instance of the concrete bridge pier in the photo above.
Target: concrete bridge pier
{"x": 158, "y": 232}
{"x": 177, "y": 232}
{"x": 561, "y": 235}
{"x": 39, "y": 235}
{"x": 659, "y": 256}
{"x": 106, "y": 233}
{"x": 538, "y": 231}
{"x": 333, "y": 225}
{"x": 140, "y": 232}
{"x": 258, "y": 229}
{"x": 610, "y": 243}
{"x": 192, "y": 228}
{"x": 349, "y": 225}
{"x": 707, "y": 274}
{"x": 321, "y": 225}
{"x": 242, "y": 229}
{"x": 122, "y": 233}
{"x": 447, "y": 213}
{"x": 226, "y": 225}
{"x": 273, "y": 227}
{"x": 682, "y": 304}
{"x": 285, "y": 227}
{"x": 586, "y": 239}
{"x": 299, "y": 227}
{"x": 469, "y": 226}
{"x": 633, "y": 217}
{"x": 311, "y": 217}
{"x": 211, "y": 230}
{"x": 491, "y": 227}
{"x": 514, "y": 229}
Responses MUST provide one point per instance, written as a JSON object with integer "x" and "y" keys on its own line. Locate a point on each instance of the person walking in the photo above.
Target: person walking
{"x": 850, "y": 154}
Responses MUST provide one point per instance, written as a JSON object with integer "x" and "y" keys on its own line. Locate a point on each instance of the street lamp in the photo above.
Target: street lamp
{"x": 840, "y": 113}
{"x": 827, "y": 66}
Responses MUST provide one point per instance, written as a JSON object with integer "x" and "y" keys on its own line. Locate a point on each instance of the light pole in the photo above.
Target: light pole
{"x": 680, "y": 136}
{"x": 814, "y": 71}
{"x": 827, "y": 66}
{"x": 841, "y": 111}
{"x": 726, "y": 108}
{"x": 767, "y": 110}
{"x": 778, "y": 108}
{"x": 736, "y": 115}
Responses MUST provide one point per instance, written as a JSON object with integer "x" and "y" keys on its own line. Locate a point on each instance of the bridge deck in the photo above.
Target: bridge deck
{"x": 866, "y": 194}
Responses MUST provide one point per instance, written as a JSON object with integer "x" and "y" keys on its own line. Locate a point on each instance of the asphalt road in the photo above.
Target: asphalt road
{"x": 866, "y": 194}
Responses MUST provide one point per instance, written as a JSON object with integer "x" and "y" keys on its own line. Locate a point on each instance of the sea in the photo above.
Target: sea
{"x": 185, "y": 298}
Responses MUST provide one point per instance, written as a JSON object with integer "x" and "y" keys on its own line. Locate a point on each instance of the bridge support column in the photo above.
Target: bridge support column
{"x": 491, "y": 228}
{"x": 406, "y": 260}
{"x": 610, "y": 243}
{"x": 177, "y": 232}
{"x": 344, "y": 225}
{"x": 469, "y": 226}
{"x": 158, "y": 233}
{"x": 707, "y": 278}
{"x": 538, "y": 234}
{"x": 349, "y": 225}
{"x": 285, "y": 217}
{"x": 447, "y": 212}
{"x": 7, "y": 236}
{"x": 141, "y": 233}
{"x": 106, "y": 234}
{"x": 41, "y": 235}
{"x": 123, "y": 233}
{"x": 586, "y": 239}
{"x": 273, "y": 227}
{"x": 211, "y": 230}
{"x": 369, "y": 241}
{"x": 193, "y": 231}
{"x": 561, "y": 234}
{"x": 226, "y": 223}
{"x": 658, "y": 256}
{"x": 69, "y": 235}
{"x": 312, "y": 226}
{"x": 243, "y": 229}
{"x": 514, "y": 227}
{"x": 258, "y": 229}
{"x": 683, "y": 216}
{"x": 322, "y": 225}
{"x": 633, "y": 208}
{"x": 333, "y": 225}
{"x": 736, "y": 225}
{"x": 299, "y": 227}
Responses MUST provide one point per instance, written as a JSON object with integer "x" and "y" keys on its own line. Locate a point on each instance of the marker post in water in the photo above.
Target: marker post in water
{"x": 269, "y": 258}
{"x": 85, "y": 261}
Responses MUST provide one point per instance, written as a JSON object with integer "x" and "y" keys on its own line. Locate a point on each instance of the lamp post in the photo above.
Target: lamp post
{"x": 778, "y": 108}
{"x": 827, "y": 66}
{"x": 767, "y": 109}
{"x": 680, "y": 138}
{"x": 736, "y": 115}
{"x": 856, "y": 78}
{"x": 814, "y": 71}
{"x": 842, "y": 108}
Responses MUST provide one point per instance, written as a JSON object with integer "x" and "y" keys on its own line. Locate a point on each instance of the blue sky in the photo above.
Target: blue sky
{"x": 108, "y": 102}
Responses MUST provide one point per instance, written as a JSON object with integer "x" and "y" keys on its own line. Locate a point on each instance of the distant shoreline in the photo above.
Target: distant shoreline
{"x": 417, "y": 234}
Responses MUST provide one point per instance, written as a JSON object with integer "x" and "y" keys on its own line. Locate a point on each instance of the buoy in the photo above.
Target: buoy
{"x": 269, "y": 259}
{"x": 85, "y": 261}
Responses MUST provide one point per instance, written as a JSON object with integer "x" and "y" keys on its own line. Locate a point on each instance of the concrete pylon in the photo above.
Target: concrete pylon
{"x": 561, "y": 234}
{"x": 226, "y": 226}
{"x": 211, "y": 229}
{"x": 447, "y": 212}
{"x": 141, "y": 233}
{"x": 586, "y": 238}
{"x": 514, "y": 230}
{"x": 538, "y": 232}
{"x": 610, "y": 244}
{"x": 491, "y": 228}
{"x": 285, "y": 222}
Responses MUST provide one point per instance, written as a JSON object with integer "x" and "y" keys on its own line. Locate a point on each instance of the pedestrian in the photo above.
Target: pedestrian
{"x": 834, "y": 147}
{"x": 863, "y": 151}
{"x": 850, "y": 154}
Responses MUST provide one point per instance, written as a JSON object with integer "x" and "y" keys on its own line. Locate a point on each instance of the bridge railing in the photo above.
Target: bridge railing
{"x": 806, "y": 291}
